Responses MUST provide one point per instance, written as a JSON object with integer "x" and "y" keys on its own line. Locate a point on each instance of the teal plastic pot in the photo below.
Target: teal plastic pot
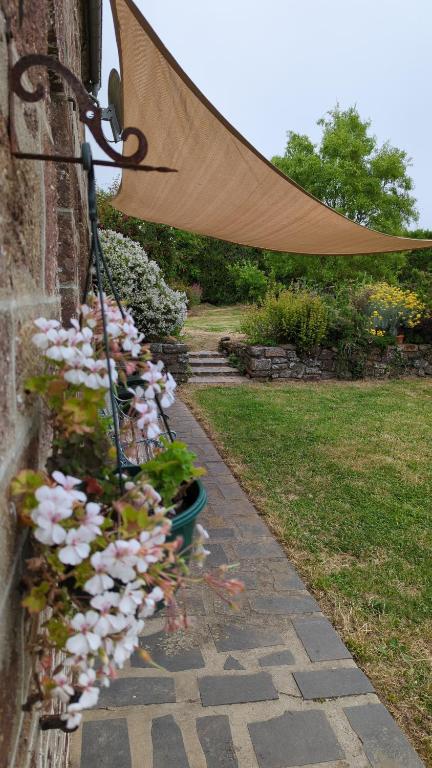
{"x": 184, "y": 524}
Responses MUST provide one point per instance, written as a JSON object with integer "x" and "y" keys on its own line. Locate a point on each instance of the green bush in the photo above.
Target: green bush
{"x": 250, "y": 283}
{"x": 294, "y": 317}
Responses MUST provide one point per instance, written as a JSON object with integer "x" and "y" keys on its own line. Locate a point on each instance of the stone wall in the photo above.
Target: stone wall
{"x": 175, "y": 358}
{"x": 286, "y": 362}
{"x": 43, "y": 248}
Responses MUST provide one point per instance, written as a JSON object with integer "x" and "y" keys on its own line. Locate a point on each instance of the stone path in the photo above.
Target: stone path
{"x": 271, "y": 686}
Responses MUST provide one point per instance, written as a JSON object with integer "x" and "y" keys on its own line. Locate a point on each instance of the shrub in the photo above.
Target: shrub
{"x": 389, "y": 307}
{"x": 158, "y": 310}
{"x": 250, "y": 283}
{"x": 194, "y": 294}
{"x": 299, "y": 318}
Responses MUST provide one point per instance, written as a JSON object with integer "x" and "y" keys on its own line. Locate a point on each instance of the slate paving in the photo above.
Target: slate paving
{"x": 269, "y": 686}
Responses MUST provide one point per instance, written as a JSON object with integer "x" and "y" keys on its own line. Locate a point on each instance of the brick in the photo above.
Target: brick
{"x": 277, "y": 659}
{"x": 136, "y": 691}
{"x": 277, "y": 604}
{"x": 214, "y": 733}
{"x": 320, "y": 640}
{"x": 168, "y": 745}
{"x": 218, "y": 690}
{"x": 173, "y": 652}
{"x": 384, "y": 743}
{"x": 294, "y": 739}
{"x": 231, "y": 637}
{"x": 331, "y": 683}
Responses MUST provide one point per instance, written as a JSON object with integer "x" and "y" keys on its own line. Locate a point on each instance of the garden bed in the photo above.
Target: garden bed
{"x": 287, "y": 362}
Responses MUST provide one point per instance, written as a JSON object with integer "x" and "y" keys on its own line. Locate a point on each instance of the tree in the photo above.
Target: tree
{"x": 366, "y": 182}
{"x": 351, "y": 173}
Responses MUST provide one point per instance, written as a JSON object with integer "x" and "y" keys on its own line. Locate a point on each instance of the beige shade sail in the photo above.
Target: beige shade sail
{"x": 223, "y": 186}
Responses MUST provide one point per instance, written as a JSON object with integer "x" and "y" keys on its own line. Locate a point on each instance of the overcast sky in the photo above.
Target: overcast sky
{"x": 279, "y": 65}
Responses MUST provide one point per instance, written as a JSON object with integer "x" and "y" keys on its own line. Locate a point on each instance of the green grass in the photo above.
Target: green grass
{"x": 206, "y": 324}
{"x": 344, "y": 474}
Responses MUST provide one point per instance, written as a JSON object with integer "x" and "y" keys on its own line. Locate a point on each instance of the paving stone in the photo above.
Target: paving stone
{"x": 217, "y": 556}
{"x": 249, "y": 579}
{"x": 278, "y": 604}
{"x": 169, "y": 652}
{"x": 232, "y": 491}
{"x": 286, "y": 581}
{"x": 214, "y": 733}
{"x": 294, "y": 739}
{"x": 216, "y": 690}
{"x": 221, "y": 533}
{"x": 232, "y": 663}
{"x": 256, "y": 549}
{"x": 277, "y": 659}
{"x": 385, "y": 744}
{"x": 330, "y": 683}
{"x": 168, "y": 745}
{"x": 320, "y": 640}
{"x": 135, "y": 691}
{"x": 105, "y": 743}
{"x": 231, "y": 637}
{"x": 253, "y": 529}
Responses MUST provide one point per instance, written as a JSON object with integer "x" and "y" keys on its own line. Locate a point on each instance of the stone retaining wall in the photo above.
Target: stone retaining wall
{"x": 175, "y": 358}
{"x": 286, "y": 362}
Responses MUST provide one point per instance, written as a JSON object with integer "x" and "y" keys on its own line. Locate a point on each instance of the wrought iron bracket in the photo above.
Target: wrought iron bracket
{"x": 90, "y": 113}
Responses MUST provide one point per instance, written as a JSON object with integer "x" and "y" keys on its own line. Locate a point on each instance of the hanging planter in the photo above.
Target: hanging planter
{"x": 110, "y": 548}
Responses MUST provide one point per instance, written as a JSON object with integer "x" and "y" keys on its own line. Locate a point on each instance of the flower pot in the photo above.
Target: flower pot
{"x": 400, "y": 339}
{"x": 184, "y": 524}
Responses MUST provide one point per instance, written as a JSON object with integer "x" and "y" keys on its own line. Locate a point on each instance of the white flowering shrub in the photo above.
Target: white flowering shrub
{"x": 158, "y": 310}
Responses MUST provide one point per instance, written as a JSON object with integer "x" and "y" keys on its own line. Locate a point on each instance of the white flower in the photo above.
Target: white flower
{"x": 154, "y": 378}
{"x": 202, "y": 533}
{"x": 76, "y": 549}
{"x": 123, "y": 649}
{"x": 108, "y": 622}
{"x": 72, "y": 717}
{"x": 68, "y": 483}
{"x": 121, "y": 558}
{"x": 155, "y": 596}
{"x": 93, "y": 519}
{"x": 131, "y": 597}
{"x": 100, "y": 582}
{"x": 63, "y": 689}
{"x": 90, "y": 694}
{"x": 151, "y": 550}
{"x": 53, "y": 508}
{"x": 41, "y": 340}
{"x": 85, "y": 640}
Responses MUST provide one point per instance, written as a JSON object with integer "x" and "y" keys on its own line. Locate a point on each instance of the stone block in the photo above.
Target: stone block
{"x": 256, "y": 351}
{"x": 174, "y": 652}
{"x": 106, "y": 741}
{"x": 136, "y": 691}
{"x": 274, "y": 352}
{"x": 277, "y": 659}
{"x": 321, "y": 641}
{"x": 331, "y": 683}
{"x": 384, "y": 743}
{"x": 168, "y": 746}
{"x": 259, "y": 365}
{"x": 284, "y": 606}
{"x": 235, "y": 637}
{"x": 294, "y": 739}
{"x": 220, "y": 690}
{"x": 232, "y": 663}
{"x": 214, "y": 733}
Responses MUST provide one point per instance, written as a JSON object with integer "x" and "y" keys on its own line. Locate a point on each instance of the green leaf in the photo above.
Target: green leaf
{"x": 36, "y": 600}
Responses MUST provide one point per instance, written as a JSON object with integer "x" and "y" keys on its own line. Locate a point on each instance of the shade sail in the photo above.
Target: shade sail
{"x": 224, "y": 187}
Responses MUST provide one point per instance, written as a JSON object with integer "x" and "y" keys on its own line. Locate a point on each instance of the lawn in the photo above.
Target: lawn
{"x": 343, "y": 473}
{"x": 206, "y": 324}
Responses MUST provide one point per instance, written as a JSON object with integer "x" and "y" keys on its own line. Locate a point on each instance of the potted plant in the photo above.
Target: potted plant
{"x": 105, "y": 550}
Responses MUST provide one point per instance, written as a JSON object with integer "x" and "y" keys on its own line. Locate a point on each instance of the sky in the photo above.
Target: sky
{"x": 279, "y": 65}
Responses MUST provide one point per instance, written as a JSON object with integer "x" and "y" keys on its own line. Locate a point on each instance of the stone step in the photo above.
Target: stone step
{"x": 203, "y": 353}
{"x": 222, "y": 370}
{"x": 198, "y": 361}
{"x": 217, "y": 380}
